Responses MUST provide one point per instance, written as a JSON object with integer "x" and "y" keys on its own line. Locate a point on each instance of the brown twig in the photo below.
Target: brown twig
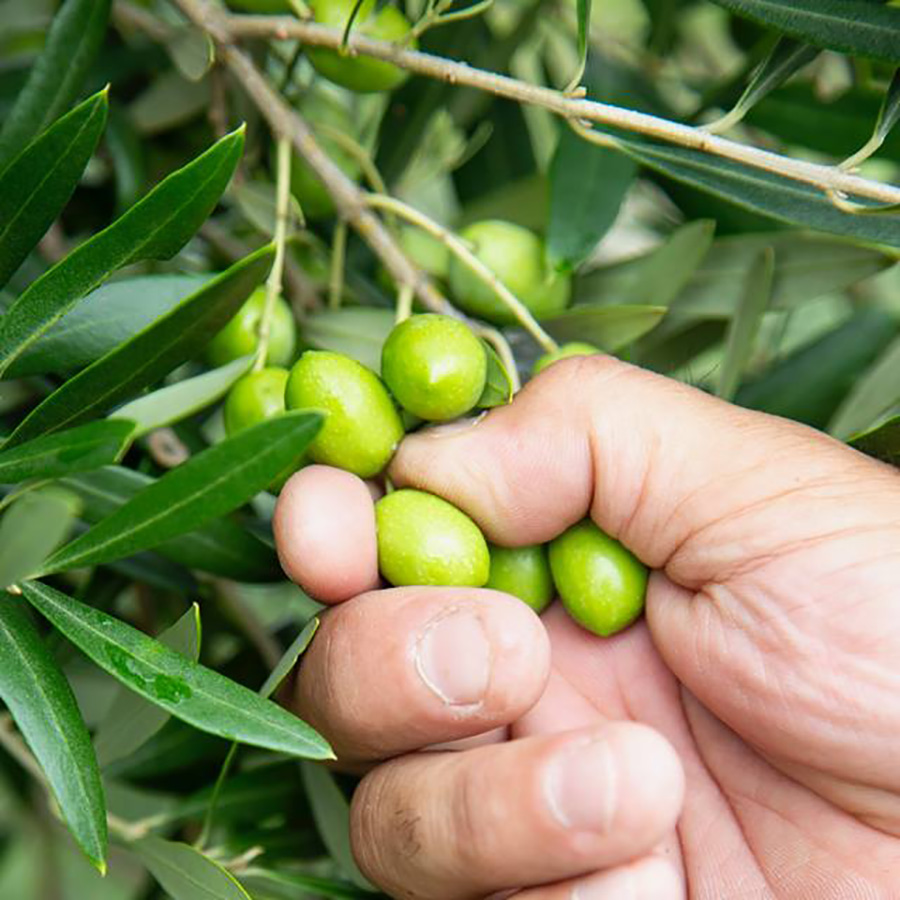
{"x": 285, "y": 121}
{"x": 825, "y": 178}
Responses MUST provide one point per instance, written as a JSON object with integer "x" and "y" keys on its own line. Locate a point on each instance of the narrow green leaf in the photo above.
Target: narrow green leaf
{"x": 156, "y": 228}
{"x": 31, "y": 529}
{"x": 881, "y": 442}
{"x": 358, "y": 332}
{"x": 810, "y": 384}
{"x": 131, "y": 720}
{"x": 192, "y": 51}
{"x": 671, "y": 266}
{"x": 744, "y": 327}
{"x": 587, "y": 187}
{"x": 43, "y": 706}
{"x": 859, "y": 27}
{"x": 150, "y": 354}
{"x": 888, "y": 116}
{"x": 498, "y": 389}
{"x": 273, "y": 884}
{"x": 289, "y": 658}
{"x": 104, "y": 319}
{"x": 583, "y": 12}
{"x": 184, "y": 873}
{"x": 608, "y": 327}
{"x": 332, "y": 814}
{"x": 56, "y": 78}
{"x": 190, "y": 692}
{"x": 209, "y": 485}
{"x": 785, "y": 59}
{"x": 39, "y": 182}
{"x": 76, "y": 450}
{"x": 874, "y": 393}
{"x": 762, "y": 192}
{"x": 183, "y": 399}
{"x": 221, "y": 547}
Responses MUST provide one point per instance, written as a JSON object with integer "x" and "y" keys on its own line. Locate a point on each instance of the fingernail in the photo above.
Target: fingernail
{"x": 580, "y": 786}
{"x": 453, "y": 658}
{"x": 448, "y": 429}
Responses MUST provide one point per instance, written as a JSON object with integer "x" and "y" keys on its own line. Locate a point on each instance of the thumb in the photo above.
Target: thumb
{"x": 660, "y": 466}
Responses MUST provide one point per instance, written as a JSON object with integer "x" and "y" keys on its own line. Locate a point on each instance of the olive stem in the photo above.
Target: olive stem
{"x": 283, "y": 119}
{"x": 404, "y": 304}
{"x": 275, "y": 281}
{"x": 459, "y": 249}
{"x": 823, "y": 177}
{"x": 338, "y": 257}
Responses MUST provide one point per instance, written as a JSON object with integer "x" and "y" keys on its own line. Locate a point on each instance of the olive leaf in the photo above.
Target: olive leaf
{"x": 156, "y": 228}
{"x": 43, "y": 707}
{"x": 39, "y": 182}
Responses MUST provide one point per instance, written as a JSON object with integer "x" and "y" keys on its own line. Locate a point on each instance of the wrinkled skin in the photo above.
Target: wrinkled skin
{"x": 742, "y": 742}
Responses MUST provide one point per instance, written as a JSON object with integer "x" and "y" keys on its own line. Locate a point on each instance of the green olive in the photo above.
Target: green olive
{"x": 326, "y": 116}
{"x": 516, "y": 256}
{"x": 241, "y": 335}
{"x": 434, "y": 366}
{"x": 363, "y": 427}
{"x": 601, "y": 584}
{"x": 360, "y": 73}
{"x": 576, "y": 348}
{"x": 255, "y": 398}
{"x": 423, "y": 539}
{"x": 523, "y": 572}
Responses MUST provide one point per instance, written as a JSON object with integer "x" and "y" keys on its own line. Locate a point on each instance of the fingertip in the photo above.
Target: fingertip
{"x": 324, "y": 528}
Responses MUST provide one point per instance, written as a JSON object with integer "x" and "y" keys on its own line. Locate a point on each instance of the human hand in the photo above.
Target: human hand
{"x": 742, "y": 741}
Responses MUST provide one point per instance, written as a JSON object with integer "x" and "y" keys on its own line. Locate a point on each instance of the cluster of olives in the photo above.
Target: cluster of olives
{"x": 433, "y": 368}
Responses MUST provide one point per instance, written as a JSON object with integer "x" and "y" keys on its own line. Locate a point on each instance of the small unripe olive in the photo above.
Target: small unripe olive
{"x": 516, "y": 256}
{"x": 360, "y": 73}
{"x": 256, "y": 397}
{"x": 363, "y": 427}
{"x": 576, "y": 348}
{"x": 434, "y": 366}
{"x": 523, "y": 572}
{"x": 601, "y": 584}
{"x": 241, "y": 335}
{"x": 423, "y": 539}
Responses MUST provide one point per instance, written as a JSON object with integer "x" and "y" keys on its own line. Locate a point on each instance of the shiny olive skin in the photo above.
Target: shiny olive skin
{"x": 601, "y": 584}
{"x": 325, "y": 116}
{"x": 566, "y": 351}
{"x": 241, "y": 335}
{"x": 523, "y": 572}
{"x": 423, "y": 539}
{"x": 360, "y": 73}
{"x": 516, "y": 256}
{"x": 434, "y": 366}
{"x": 363, "y": 426}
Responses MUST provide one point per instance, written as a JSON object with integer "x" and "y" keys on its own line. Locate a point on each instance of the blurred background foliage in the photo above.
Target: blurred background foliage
{"x": 796, "y": 314}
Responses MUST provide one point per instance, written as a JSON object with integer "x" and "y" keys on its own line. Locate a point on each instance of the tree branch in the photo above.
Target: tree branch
{"x": 825, "y": 178}
{"x": 286, "y": 122}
